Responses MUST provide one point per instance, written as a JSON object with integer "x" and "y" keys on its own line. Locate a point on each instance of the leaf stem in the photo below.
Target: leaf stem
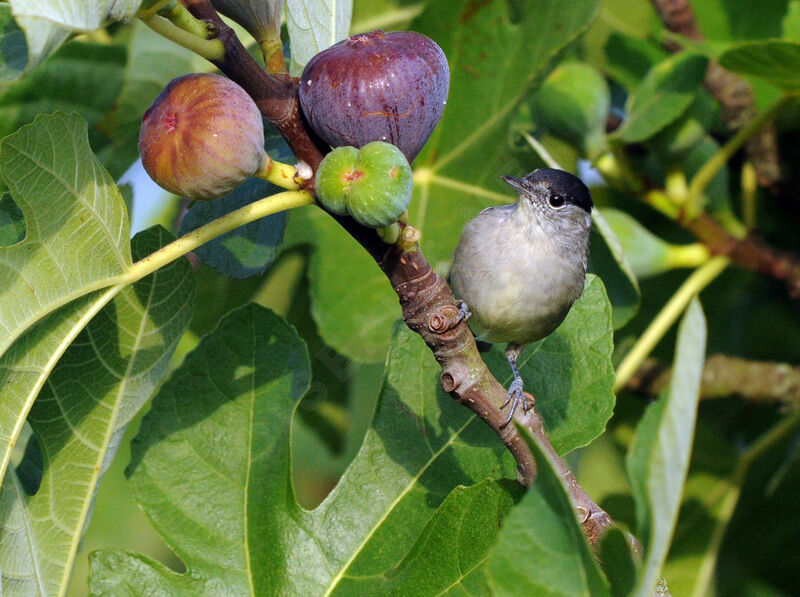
{"x": 701, "y": 179}
{"x": 189, "y": 242}
{"x": 699, "y": 279}
{"x": 210, "y": 49}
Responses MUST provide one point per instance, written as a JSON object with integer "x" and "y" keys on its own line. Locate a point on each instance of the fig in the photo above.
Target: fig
{"x": 376, "y": 86}
{"x": 372, "y": 184}
{"x": 202, "y": 137}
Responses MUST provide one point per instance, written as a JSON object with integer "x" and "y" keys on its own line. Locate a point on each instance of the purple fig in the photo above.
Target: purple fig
{"x": 376, "y": 86}
{"x": 202, "y": 137}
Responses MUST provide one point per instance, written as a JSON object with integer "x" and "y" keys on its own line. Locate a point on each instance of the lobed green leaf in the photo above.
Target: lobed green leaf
{"x": 102, "y": 380}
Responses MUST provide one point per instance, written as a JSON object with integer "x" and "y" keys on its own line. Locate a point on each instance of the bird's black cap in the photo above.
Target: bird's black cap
{"x": 557, "y": 181}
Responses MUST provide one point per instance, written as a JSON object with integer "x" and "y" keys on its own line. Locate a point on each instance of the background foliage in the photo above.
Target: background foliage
{"x": 296, "y": 439}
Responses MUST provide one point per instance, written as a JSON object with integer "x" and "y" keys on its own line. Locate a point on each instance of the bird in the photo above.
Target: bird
{"x": 519, "y": 268}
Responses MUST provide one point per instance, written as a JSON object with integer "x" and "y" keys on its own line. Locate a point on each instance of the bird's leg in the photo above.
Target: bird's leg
{"x": 515, "y": 393}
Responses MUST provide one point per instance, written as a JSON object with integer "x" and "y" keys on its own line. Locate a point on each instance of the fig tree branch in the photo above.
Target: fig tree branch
{"x": 426, "y": 300}
{"x": 723, "y": 376}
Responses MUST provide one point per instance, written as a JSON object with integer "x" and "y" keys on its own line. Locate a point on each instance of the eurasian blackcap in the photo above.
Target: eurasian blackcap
{"x": 519, "y": 268}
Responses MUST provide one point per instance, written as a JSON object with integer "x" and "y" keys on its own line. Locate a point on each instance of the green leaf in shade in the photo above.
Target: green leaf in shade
{"x": 648, "y": 254}
{"x": 775, "y": 61}
{"x": 40, "y": 38}
{"x": 717, "y": 193}
{"x": 352, "y": 302}
{"x": 153, "y": 61}
{"x": 570, "y": 372}
{"x": 248, "y": 250}
{"x": 496, "y": 53}
{"x": 76, "y": 244}
{"x": 452, "y": 549}
{"x": 313, "y": 26}
{"x": 608, "y": 260}
{"x": 13, "y": 47}
{"x": 629, "y": 58}
{"x": 573, "y": 103}
{"x": 96, "y": 388}
{"x": 231, "y": 515}
{"x": 659, "y": 456}
{"x": 12, "y": 222}
{"x": 791, "y": 22}
{"x": 619, "y": 560}
{"x": 665, "y": 93}
{"x": 81, "y": 76}
{"x": 542, "y": 549}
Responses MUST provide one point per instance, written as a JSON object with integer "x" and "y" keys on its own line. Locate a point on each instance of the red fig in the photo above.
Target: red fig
{"x": 376, "y": 86}
{"x": 202, "y": 137}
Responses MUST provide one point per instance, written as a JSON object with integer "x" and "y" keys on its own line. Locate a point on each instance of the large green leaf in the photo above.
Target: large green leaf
{"x": 98, "y": 385}
{"x": 230, "y": 439}
{"x": 76, "y": 244}
{"x": 659, "y": 456}
{"x": 542, "y": 549}
{"x": 452, "y": 550}
{"x": 570, "y": 372}
{"x": 776, "y": 61}
{"x": 496, "y": 52}
{"x": 314, "y": 25}
{"x": 666, "y": 92}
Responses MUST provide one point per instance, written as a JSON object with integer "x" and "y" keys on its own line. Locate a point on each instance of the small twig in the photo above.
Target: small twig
{"x": 723, "y": 376}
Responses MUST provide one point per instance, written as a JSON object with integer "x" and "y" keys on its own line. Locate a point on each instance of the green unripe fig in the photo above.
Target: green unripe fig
{"x": 372, "y": 184}
{"x": 202, "y": 137}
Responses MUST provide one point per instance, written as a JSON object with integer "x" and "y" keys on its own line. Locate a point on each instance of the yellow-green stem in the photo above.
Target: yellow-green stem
{"x": 280, "y": 174}
{"x": 696, "y": 199}
{"x": 180, "y": 16}
{"x": 210, "y": 49}
{"x": 699, "y": 279}
{"x": 228, "y": 222}
{"x": 749, "y": 195}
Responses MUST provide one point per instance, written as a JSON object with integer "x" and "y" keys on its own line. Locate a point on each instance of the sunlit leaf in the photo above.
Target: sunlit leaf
{"x": 659, "y": 457}
{"x": 542, "y": 549}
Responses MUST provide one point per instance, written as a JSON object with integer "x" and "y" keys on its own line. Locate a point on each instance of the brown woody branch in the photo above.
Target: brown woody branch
{"x": 723, "y": 376}
{"x": 749, "y": 252}
{"x": 427, "y": 302}
{"x": 734, "y": 94}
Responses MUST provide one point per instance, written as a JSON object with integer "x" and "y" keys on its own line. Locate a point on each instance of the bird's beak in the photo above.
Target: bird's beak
{"x": 516, "y": 183}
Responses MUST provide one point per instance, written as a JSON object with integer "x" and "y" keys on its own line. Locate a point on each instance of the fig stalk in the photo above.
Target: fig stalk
{"x": 280, "y": 174}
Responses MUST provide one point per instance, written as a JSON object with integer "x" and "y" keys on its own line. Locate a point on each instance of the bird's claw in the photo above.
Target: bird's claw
{"x": 515, "y": 395}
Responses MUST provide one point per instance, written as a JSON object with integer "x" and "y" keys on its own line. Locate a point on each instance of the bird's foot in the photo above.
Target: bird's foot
{"x": 463, "y": 312}
{"x": 514, "y": 397}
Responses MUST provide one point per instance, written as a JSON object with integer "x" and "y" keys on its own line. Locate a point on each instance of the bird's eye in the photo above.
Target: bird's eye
{"x": 557, "y": 201}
